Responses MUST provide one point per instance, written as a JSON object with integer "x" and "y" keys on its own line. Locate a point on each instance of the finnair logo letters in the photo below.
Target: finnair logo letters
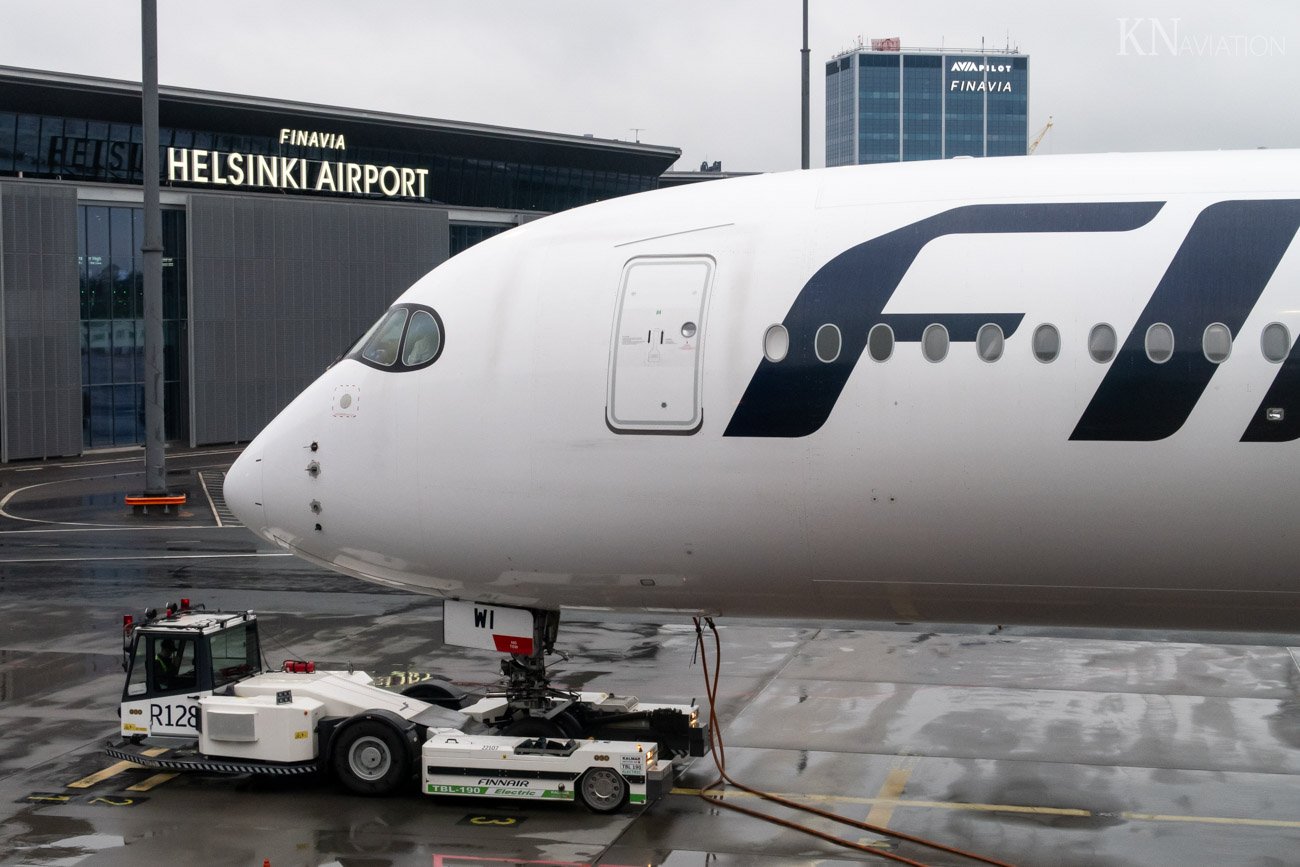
{"x": 1213, "y": 278}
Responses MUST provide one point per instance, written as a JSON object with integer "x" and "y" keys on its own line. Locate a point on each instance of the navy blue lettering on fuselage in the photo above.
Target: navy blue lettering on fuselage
{"x": 794, "y": 397}
{"x": 1217, "y": 275}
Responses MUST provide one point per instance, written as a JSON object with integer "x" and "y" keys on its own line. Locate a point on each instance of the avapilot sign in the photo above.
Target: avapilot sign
{"x": 218, "y": 168}
{"x": 978, "y": 85}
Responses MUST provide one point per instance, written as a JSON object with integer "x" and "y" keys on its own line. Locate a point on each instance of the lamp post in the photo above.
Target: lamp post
{"x": 804, "y": 54}
{"x": 155, "y": 460}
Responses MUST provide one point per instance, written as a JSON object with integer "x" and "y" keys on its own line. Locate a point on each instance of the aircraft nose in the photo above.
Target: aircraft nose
{"x": 243, "y": 488}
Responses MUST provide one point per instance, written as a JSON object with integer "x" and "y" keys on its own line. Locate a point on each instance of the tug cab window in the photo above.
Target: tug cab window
{"x": 234, "y": 653}
{"x": 173, "y": 664}
{"x": 407, "y": 337}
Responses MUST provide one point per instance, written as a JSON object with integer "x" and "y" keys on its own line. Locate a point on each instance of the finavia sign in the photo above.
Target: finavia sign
{"x": 972, "y": 85}
{"x": 221, "y": 169}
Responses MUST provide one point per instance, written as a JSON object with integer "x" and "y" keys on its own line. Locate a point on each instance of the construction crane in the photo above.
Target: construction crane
{"x": 1038, "y": 139}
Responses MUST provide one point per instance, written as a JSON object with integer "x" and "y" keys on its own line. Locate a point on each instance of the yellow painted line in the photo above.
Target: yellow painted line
{"x": 1006, "y": 808}
{"x": 883, "y": 810}
{"x": 1212, "y": 820}
{"x": 99, "y": 777}
{"x": 155, "y": 780}
{"x": 112, "y": 770}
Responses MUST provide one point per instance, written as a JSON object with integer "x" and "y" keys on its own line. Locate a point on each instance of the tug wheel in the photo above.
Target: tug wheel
{"x": 370, "y": 758}
{"x": 603, "y": 790}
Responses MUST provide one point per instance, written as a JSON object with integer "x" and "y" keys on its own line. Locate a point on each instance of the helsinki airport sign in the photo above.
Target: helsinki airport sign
{"x": 218, "y": 168}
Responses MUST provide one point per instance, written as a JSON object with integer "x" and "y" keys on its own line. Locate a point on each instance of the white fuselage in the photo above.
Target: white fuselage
{"x": 1005, "y": 491}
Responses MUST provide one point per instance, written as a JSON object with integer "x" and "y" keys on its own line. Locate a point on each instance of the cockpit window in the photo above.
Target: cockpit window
{"x": 423, "y": 337}
{"x": 407, "y": 337}
{"x": 381, "y": 348}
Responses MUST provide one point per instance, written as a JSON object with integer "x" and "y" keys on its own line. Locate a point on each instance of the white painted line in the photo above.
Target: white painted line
{"x": 107, "y": 528}
{"x": 146, "y": 557}
{"x": 1295, "y": 655}
{"x": 15, "y": 492}
{"x": 29, "y": 470}
{"x": 211, "y": 505}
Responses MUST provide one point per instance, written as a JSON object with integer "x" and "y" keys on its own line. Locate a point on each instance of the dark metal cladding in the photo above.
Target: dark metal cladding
{"x": 794, "y": 397}
{"x": 1217, "y": 275}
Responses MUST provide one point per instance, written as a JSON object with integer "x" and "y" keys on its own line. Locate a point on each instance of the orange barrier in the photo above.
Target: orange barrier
{"x": 164, "y": 500}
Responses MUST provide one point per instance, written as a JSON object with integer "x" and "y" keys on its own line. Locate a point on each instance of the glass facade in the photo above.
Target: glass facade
{"x": 112, "y": 325}
{"x": 464, "y": 236}
{"x": 44, "y": 146}
{"x": 922, "y": 107}
{"x": 879, "y": 94}
{"x": 963, "y": 109}
{"x": 1008, "y": 110}
{"x": 925, "y": 105}
{"x": 840, "y": 93}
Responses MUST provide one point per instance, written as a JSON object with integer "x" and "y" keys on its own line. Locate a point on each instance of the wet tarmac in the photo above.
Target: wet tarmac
{"x": 1036, "y": 747}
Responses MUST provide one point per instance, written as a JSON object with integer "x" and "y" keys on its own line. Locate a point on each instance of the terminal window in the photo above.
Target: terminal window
{"x": 112, "y": 325}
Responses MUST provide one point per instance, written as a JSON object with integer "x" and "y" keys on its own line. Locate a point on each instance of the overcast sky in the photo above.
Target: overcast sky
{"x": 717, "y": 78}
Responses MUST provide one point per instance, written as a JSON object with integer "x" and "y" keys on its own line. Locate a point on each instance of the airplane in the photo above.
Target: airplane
{"x": 1057, "y": 390}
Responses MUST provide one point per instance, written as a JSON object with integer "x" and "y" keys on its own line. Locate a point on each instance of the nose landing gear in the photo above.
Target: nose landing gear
{"x": 526, "y": 703}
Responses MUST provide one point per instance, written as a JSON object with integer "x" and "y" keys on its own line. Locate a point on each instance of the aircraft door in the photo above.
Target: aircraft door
{"x": 656, "y": 349}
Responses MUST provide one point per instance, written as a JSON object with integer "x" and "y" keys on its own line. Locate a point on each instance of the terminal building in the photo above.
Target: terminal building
{"x": 288, "y": 229}
{"x": 885, "y": 104}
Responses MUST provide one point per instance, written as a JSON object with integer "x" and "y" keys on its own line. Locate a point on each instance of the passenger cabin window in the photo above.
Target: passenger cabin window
{"x": 880, "y": 342}
{"x": 1102, "y": 343}
{"x": 827, "y": 343}
{"x": 1275, "y": 342}
{"x": 934, "y": 342}
{"x": 407, "y": 337}
{"x": 1216, "y": 343}
{"x": 776, "y": 343}
{"x": 1047, "y": 343}
{"x": 1160, "y": 343}
{"x": 989, "y": 342}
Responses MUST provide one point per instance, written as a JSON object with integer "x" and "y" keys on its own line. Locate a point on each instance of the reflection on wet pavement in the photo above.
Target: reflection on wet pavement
{"x": 1044, "y": 749}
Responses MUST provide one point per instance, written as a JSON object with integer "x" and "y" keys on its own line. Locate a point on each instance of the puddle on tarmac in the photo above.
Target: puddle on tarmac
{"x": 25, "y": 675}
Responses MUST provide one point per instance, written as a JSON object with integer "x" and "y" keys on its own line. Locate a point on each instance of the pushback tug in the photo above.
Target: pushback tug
{"x": 195, "y": 681}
